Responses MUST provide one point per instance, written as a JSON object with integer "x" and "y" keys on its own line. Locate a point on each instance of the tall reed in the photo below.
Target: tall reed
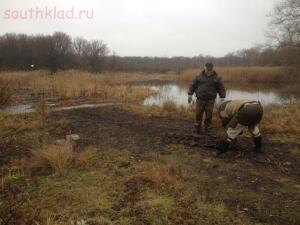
{"x": 249, "y": 74}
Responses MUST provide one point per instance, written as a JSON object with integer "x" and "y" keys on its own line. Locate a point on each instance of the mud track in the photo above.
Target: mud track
{"x": 113, "y": 127}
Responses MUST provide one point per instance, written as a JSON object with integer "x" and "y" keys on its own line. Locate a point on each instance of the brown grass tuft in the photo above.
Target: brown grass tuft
{"x": 85, "y": 157}
{"x": 57, "y": 156}
{"x": 5, "y": 92}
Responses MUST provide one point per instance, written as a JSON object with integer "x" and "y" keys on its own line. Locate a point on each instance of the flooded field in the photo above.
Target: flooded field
{"x": 177, "y": 92}
{"x": 267, "y": 94}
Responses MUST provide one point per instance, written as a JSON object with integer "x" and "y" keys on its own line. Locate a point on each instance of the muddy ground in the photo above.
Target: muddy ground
{"x": 114, "y": 127}
{"x": 192, "y": 182}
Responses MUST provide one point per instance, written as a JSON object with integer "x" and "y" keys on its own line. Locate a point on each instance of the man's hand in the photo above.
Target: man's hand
{"x": 190, "y": 98}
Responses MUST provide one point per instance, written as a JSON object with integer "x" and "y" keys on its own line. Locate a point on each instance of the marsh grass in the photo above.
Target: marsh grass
{"x": 282, "y": 120}
{"x": 57, "y": 156}
{"x": 73, "y": 84}
{"x": 5, "y": 92}
{"x": 249, "y": 74}
{"x": 77, "y": 84}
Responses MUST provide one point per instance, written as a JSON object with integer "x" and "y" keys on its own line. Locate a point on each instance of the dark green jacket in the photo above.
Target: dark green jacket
{"x": 207, "y": 87}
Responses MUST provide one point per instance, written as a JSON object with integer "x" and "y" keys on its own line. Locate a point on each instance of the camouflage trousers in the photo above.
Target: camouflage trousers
{"x": 238, "y": 129}
{"x": 207, "y": 107}
{"x": 248, "y": 117}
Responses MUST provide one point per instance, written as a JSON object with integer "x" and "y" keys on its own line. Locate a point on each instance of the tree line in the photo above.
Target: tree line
{"x": 60, "y": 51}
{"x": 53, "y": 52}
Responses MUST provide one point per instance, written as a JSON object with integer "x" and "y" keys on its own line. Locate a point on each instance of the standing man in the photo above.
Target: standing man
{"x": 206, "y": 86}
{"x": 236, "y": 116}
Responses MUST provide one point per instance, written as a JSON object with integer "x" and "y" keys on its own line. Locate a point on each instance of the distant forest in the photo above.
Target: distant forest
{"x": 60, "y": 51}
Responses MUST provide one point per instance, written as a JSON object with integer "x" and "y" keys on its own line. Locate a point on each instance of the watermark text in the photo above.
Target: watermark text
{"x": 48, "y": 13}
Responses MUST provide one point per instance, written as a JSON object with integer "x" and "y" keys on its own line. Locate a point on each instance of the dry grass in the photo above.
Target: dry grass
{"x": 282, "y": 120}
{"x": 58, "y": 156}
{"x": 249, "y": 74}
{"x": 85, "y": 157}
{"x": 168, "y": 109}
{"x": 76, "y": 84}
{"x": 164, "y": 189}
{"x": 5, "y": 92}
{"x": 20, "y": 131}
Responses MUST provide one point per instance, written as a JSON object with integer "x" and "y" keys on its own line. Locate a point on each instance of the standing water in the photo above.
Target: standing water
{"x": 267, "y": 95}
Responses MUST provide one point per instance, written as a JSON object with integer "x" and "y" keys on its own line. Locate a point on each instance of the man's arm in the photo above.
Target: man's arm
{"x": 193, "y": 86}
{"x": 221, "y": 88}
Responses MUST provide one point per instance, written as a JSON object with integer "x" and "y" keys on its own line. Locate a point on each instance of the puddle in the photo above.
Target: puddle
{"x": 19, "y": 109}
{"x": 28, "y": 108}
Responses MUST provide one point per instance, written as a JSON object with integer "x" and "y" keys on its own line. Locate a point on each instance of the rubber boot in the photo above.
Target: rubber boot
{"x": 197, "y": 127}
{"x": 258, "y": 144}
{"x": 208, "y": 128}
{"x": 222, "y": 147}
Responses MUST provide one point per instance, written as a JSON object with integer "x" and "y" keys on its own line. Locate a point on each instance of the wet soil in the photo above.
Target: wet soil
{"x": 268, "y": 174}
{"x": 114, "y": 127}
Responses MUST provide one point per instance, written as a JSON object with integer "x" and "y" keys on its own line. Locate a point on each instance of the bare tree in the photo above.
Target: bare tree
{"x": 60, "y": 49}
{"x": 285, "y": 23}
{"x": 80, "y": 45}
{"x": 95, "y": 53}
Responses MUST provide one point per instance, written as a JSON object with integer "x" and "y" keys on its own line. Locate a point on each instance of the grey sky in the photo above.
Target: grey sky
{"x": 153, "y": 27}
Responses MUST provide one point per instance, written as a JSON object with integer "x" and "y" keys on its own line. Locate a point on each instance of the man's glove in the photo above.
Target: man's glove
{"x": 190, "y": 98}
{"x": 258, "y": 144}
{"x": 222, "y": 147}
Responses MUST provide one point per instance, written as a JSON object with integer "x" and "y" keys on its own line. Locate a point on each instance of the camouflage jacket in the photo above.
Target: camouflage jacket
{"x": 229, "y": 108}
{"x": 245, "y": 112}
{"x": 207, "y": 87}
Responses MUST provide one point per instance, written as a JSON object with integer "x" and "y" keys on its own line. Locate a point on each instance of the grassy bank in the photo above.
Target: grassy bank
{"x": 249, "y": 74}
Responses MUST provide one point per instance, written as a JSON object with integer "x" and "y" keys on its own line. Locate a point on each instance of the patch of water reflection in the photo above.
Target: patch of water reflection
{"x": 178, "y": 94}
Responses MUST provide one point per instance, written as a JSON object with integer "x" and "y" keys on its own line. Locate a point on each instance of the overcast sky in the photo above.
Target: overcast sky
{"x": 150, "y": 27}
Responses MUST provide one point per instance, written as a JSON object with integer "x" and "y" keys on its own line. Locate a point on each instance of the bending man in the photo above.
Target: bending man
{"x": 236, "y": 116}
